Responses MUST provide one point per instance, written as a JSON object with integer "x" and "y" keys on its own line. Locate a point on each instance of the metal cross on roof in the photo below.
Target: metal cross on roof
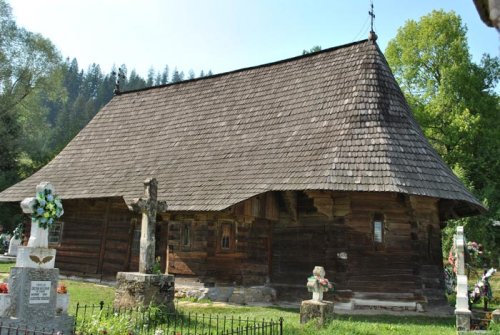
{"x": 372, "y": 14}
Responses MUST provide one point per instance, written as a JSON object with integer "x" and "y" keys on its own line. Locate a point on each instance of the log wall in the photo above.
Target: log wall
{"x": 246, "y": 263}
{"x": 335, "y": 230}
{"x": 276, "y": 237}
{"x": 95, "y": 237}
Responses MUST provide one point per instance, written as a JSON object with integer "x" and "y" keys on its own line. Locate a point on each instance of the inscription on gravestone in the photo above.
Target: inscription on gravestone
{"x": 40, "y": 292}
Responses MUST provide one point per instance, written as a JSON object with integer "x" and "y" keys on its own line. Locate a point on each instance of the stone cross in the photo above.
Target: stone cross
{"x": 313, "y": 283}
{"x": 38, "y": 236}
{"x": 460, "y": 248}
{"x": 462, "y": 311}
{"x": 149, "y": 206}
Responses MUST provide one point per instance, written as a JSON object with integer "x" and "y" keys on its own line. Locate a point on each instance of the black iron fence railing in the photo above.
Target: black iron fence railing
{"x": 10, "y": 329}
{"x": 100, "y": 319}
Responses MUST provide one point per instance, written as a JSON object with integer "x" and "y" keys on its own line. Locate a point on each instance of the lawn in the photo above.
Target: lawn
{"x": 339, "y": 325}
{"x": 90, "y": 293}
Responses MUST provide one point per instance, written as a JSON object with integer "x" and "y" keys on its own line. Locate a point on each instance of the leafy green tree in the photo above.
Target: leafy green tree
{"x": 455, "y": 102}
{"x": 315, "y": 48}
{"x": 27, "y": 64}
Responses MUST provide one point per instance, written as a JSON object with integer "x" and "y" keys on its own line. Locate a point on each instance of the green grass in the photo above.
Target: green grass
{"x": 340, "y": 324}
{"x": 90, "y": 293}
{"x": 5, "y": 268}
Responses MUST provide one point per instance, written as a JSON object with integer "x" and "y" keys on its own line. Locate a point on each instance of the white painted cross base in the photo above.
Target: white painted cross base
{"x": 39, "y": 237}
{"x": 39, "y": 258}
{"x": 317, "y": 296}
{"x": 462, "y": 303}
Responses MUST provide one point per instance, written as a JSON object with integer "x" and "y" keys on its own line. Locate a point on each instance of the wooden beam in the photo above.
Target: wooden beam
{"x": 290, "y": 198}
{"x": 104, "y": 232}
{"x": 133, "y": 223}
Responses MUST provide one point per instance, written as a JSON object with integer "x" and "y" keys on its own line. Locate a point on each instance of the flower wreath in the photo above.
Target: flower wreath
{"x": 18, "y": 232}
{"x": 322, "y": 282}
{"x": 47, "y": 208}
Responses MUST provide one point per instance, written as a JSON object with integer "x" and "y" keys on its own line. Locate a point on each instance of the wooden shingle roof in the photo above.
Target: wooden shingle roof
{"x": 332, "y": 120}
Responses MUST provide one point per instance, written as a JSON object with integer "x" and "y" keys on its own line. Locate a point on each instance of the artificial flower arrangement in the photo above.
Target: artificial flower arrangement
{"x": 4, "y": 288}
{"x": 47, "y": 208}
{"x": 61, "y": 289}
{"x": 18, "y": 232}
{"x": 323, "y": 283}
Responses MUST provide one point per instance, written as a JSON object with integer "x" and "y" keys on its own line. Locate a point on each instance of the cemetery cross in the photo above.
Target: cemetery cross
{"x": 149, "y": 207}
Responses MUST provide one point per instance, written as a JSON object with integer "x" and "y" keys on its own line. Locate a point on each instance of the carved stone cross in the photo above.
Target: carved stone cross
{"x": 149, "y": 206}
{"x": 317, "y": 284}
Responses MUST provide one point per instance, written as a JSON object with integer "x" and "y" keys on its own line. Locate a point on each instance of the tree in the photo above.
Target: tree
{"x": 27, "y": 62}
{"x": 455, "y": 102}
{"x": 164, "y": 75}
{"x": 177, "y": 76}
{"x": 151, "y": 77}
{"x": 27, "y": 65}
{"x": 315, "y": 48}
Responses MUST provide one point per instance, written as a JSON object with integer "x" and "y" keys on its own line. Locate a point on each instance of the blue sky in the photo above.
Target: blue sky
{"x": 224, "y": 35}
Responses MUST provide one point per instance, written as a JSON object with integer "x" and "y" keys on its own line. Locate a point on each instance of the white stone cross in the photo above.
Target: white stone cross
{"x": 314, "y": 284}
{"x": 149, "y": 206}
{"x": 38, "y": 236}
{"x": 462, "y": 300}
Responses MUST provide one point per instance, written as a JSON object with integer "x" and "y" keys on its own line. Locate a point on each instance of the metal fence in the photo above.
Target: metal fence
{"x": 9, "y": 329}
{"x": 91, "y": 319}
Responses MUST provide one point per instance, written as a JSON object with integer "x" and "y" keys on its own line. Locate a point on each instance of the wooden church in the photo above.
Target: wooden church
{"x": 267, "y": 172}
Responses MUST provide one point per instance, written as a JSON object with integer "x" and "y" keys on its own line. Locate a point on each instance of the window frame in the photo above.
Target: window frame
{"x": 378, "y": 219}
{"x": 231, "y": 237}
{"x": 58, "y": 234}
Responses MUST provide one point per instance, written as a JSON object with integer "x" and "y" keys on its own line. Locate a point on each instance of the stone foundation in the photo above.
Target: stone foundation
{"x": 463, "y": 320}
{"x": 316, "y": 310}
{"x": 236, "y": 295}
{"x": 139, "y": 289}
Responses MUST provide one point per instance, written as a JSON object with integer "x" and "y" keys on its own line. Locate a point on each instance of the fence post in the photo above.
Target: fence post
{"x": 101, "y": 305}
{"x": 281, "y": 326}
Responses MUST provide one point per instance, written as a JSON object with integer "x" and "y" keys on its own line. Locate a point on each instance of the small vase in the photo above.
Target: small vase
{"x": 62, "y": 303}
{"x": 39, "y": 237}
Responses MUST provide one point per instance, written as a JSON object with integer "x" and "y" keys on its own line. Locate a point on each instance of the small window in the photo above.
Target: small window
{"x": 186, "y": 235}
{"x": 226, "y": 237}
{"x": 55, "y": 233}
{"x": 378, "y": 228}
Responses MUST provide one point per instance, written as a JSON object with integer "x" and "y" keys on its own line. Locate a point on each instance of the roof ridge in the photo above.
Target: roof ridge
{"x": 285, "y": 60}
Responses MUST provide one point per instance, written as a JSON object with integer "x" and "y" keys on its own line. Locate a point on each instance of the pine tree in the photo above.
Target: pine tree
{"x": 164, "y": 75}
{"x": 176, "y": 76}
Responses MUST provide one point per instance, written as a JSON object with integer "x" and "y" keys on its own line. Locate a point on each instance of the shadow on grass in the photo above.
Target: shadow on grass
{"x": 400, "y": 320}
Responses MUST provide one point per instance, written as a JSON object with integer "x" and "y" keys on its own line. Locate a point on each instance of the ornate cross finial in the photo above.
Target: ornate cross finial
{"x": 119, "y": 75}
{"x": 372, "y": 14}
{"x": 372, "y": 36}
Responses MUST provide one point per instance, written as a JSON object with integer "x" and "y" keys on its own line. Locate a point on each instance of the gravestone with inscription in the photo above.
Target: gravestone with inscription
{"x": 33, "y": 281}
